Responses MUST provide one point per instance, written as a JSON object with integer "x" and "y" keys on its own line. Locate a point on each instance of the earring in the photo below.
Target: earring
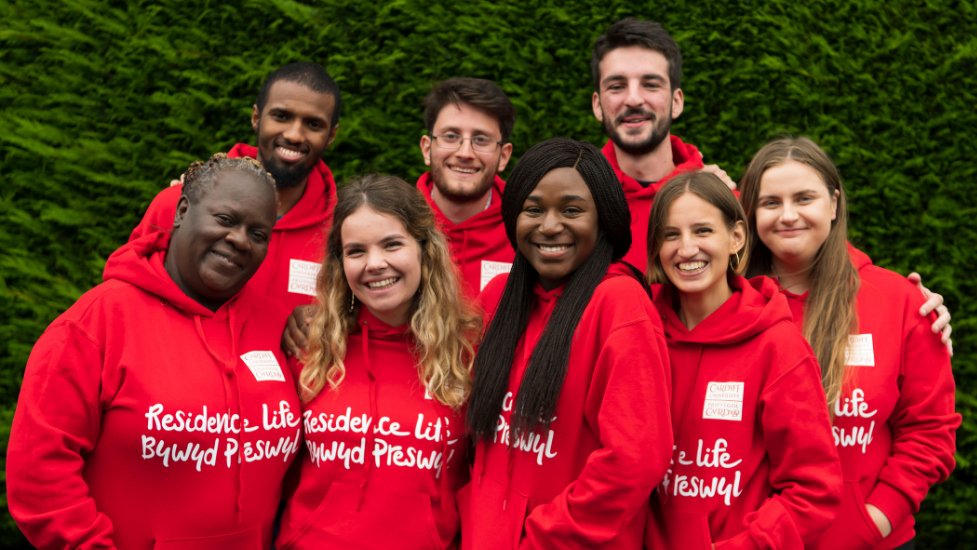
{"x": 737, "y": 256}
{"x": 352, "y": 301}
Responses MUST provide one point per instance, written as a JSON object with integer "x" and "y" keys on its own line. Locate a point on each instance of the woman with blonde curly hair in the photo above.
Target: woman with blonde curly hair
{"x": 387, "y": 372}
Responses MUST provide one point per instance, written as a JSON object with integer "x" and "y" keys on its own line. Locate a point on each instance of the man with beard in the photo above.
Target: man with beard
{"x": 295, "y": 120}
{"x": 637, "y": 70}
{"x": 469, "y": 121}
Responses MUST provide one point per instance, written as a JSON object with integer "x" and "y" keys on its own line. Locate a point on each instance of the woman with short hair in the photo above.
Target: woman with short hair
{"x": 155, "y": 412}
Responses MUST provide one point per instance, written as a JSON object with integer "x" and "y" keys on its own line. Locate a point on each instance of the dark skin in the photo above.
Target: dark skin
{"x": 293, "y": 130}
{"x": 557, "y": 228}
{"x": 220, "y": 241}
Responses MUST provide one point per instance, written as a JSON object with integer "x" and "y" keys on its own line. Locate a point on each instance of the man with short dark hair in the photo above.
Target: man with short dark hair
{"x": 295, "y": 119}
{"x": 637, "y": 71}
{"x": 469, "y": 122}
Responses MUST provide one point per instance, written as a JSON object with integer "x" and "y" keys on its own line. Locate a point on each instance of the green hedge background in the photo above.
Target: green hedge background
{"x": 103, "y": 102}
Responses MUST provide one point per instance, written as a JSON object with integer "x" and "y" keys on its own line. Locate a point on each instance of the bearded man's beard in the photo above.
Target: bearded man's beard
{"x": 287, "y": 177}
{"x": 461, "y": 196}
{"x": 659, "y": 131}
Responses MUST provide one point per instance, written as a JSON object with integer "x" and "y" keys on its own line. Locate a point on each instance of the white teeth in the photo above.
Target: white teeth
{"x": 222, "y": 257}
{"x": 554, "y": 248}
{"x": 691, "y": 266}
{"x": 288, "y": 153}
{"x": 465, "y": 170}
{"x": 386, "y": 283}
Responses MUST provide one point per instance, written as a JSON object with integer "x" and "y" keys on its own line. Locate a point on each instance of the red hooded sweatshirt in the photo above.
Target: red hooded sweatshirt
{"x": 686, "y": 158}
{"x": 895, "y": 423}
{"x": 585, "y": 483}
{"x": 297, "y": 243}
{"x": 137, "y": 407}
{"x": 374, "y": 474}
{"x": 479, "y": 245}
{"x": 754, "y": 465}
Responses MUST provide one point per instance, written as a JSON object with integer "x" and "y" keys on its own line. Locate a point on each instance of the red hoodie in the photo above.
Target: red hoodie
{"x": 373, "y": 476}
{"x": 297, "y": 242}
{"x": 585, "y": 484}
{"x": 754, "y": 465}
{"x": 686, "y": 158}
{"x": 895, "y": 423}
{"x": 128, "y": 430}
{"x": 479, "y": 245}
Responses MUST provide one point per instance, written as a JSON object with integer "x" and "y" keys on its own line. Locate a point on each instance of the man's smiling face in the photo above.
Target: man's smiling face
{"x": 293, "y": 130}
{"x": 464, "y": 174}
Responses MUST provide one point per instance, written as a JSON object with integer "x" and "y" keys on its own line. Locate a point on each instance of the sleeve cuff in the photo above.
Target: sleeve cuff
{"x": 893, "y": 503}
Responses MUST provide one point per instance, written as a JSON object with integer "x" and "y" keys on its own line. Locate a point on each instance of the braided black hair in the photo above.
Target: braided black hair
{"x": 202, "y": 175}
{"x": 541, "y": 385}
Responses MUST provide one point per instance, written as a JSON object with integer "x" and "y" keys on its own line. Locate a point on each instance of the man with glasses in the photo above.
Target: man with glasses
{"x": 469, "y": 121}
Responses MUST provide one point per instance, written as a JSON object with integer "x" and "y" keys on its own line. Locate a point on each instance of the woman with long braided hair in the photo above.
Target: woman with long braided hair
{"x": 157, "y": 411}
{"x": 569, "y": 413}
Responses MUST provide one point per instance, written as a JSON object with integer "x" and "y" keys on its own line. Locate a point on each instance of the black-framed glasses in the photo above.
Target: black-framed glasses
{"x": 482, "y": 144}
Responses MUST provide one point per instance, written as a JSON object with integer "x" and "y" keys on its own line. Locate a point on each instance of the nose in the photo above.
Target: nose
{"x": 466, "y": 150}
{"x": 688, "y": 247}
{"x": 238, "y": 238}
{"x": 789, "y": 214}
{"x": 294, "y": 132}
{"x": 376, "y": 260}
{"x": 551, "y": 225}
{"x": 634, "y": 97}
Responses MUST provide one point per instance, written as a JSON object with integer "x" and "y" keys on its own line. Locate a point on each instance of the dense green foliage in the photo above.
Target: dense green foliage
{"x": 103, "y": 102}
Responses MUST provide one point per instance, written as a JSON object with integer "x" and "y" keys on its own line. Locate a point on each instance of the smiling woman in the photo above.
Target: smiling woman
{"x": 155, "y": 412}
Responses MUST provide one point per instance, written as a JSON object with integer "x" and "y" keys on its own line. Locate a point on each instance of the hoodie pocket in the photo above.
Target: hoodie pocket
{"x": 492, "y": 518}
{"x": 853, "y": 528}
{"x": 245, "y": 540}
{"x": 686, "y": 530}
{"x": 385, "y": 518}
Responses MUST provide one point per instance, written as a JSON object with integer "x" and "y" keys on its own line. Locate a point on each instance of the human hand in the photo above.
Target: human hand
{"x": 715, "y": 169}
{"x": 880, "y": 520}
{"x": 934, "y": 301}
{"x": 174, "y": 183}
{"x": 295, "y": 337}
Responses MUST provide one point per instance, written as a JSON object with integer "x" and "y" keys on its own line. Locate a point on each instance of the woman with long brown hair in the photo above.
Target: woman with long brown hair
{"x": 383, "y": 383}
{"x": 886, "y": 376}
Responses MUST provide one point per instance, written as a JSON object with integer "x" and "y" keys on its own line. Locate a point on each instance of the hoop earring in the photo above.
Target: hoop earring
{"x": 737, "y": 256}
{"x": 352, "y": 301}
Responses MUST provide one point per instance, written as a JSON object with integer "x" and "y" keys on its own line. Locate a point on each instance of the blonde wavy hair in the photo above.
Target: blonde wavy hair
{"x": 444, "y": 327}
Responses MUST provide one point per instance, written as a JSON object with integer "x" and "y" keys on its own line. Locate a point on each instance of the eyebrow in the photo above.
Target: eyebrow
{"x": 803, "y": 192}
{"x": 476, "y": 131}
{"x": 384, "y": 240}
{"x": 651, "y": 76}
{"x": 320, "y": 120}
{"x": 564, "y": 198}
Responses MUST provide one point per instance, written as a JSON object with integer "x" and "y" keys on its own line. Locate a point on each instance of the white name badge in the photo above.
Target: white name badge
{"x": 860, "y": 351}
{"x": 302, "y": 276}
{"x": 724, "y": 401}
{"x": 491, "y": 269}
{"x": 264, "y": 366}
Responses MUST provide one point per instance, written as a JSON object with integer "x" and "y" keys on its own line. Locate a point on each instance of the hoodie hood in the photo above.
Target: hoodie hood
{"x": 858, "y": 258}
{"x": 755, "y": 305}
{"x": 317, "y": 202}
{"x": 686, "y": 158}
{"x": 140, "y": 263}
{"x": 488, "y": 218}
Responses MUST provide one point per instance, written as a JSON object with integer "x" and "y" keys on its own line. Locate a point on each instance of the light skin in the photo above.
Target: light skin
{"x": 220, "y": 241}
{"x": 464, "y": 173}
{"x": 557, "y": 228}
{"x": 794, "y": 214}
{"x": 695, "y": 255}
{"x": 293, "y": 130}
{"x": 636, "y": 97}
{"x": 382, "y": 264}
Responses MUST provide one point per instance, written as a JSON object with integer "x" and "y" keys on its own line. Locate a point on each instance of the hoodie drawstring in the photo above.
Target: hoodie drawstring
{"x": 368, "y": 462}
{"x": 229, "y": 372}
{"x": 444, "y": 450}
{"x": 464, "y": 250}
{"x": 685, "y": 416}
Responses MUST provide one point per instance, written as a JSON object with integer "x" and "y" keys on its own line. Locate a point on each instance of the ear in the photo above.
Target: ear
{"x": 595, "y": 104}
{"x": 255, "y": 115}
{"x": 182, "y": 207}
{"x": 678, "y": 103}
{"x": 426, "y": 149}
{"x": 834, "y": 205}
{"x": 332, "y": 136}
{"x": 737, "y": 238}
{"x": 504, "y": 157}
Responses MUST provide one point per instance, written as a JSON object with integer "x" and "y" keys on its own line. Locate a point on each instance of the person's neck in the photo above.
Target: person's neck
{"x": 695, "y": 308}
{"x": 651, "y": 166}
{"x": 794, "y": 277}
{"x": 458, "y": 212}
{"x": 289, "y": 197}
{"x": 169, "y": 264}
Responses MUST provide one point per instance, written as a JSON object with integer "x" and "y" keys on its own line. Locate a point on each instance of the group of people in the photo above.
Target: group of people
{"x": 612, "y": 349}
